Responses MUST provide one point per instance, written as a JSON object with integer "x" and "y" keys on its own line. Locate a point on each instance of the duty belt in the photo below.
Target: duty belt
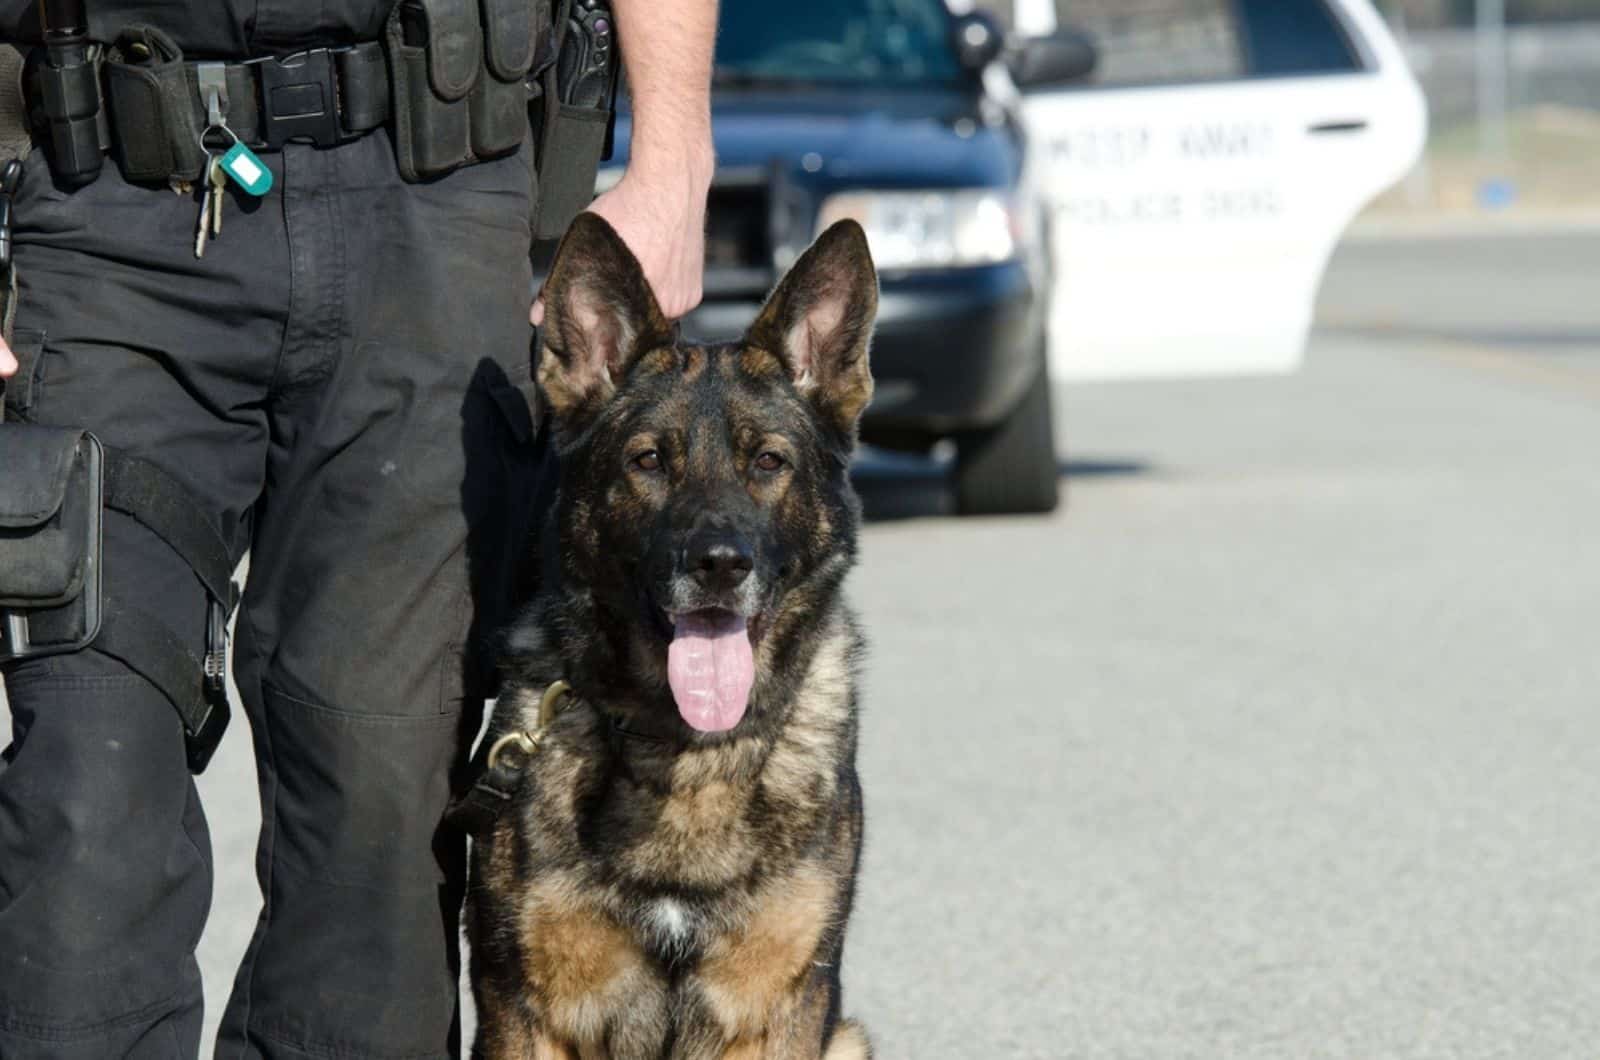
{"x": 158, "y": 107}
{"x": 325, "y": 95}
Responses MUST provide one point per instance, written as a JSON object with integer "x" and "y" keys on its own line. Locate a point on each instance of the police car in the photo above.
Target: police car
{"x": 1118, "y": 188}
{"x": 1199, "y": 179}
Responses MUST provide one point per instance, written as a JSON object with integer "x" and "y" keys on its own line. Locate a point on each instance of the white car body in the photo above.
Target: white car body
{"x": 1192, "y": 221}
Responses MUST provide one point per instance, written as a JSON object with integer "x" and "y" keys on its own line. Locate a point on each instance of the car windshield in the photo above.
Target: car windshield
{"x": 880, "y": 42}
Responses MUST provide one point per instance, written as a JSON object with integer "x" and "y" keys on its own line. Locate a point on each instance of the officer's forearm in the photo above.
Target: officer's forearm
{"x": 659, "y": 205}
{"x": 666, "y": 48}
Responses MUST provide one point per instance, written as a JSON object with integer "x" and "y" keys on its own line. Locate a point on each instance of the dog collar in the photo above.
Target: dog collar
{"x": 620, "y": 733}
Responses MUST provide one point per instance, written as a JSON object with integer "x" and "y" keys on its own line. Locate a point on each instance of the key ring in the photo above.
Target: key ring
{"x": 217, "y": 126}
{"x": 236, "y": 160}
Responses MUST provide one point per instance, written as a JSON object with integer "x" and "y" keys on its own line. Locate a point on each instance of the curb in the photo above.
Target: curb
{"x": 1379, "y": 228}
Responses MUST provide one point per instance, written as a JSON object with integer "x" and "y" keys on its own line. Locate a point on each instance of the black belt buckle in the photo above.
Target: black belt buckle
{"x": 299, "y": 99}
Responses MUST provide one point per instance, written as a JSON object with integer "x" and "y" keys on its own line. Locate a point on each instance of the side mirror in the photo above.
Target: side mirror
{"x": 978, "y": 40}
{"x": 1061, "y": 58}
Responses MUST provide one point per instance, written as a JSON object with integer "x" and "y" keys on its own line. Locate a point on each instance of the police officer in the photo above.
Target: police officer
{"x": 341, "y": 382}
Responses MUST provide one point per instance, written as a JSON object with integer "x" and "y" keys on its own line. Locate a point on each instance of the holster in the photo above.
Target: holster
{"x": 50, "y": 505}
{"x": 56, "y": 486}
{"x": 569, "y": 142}
{"x": 458, "y": 70}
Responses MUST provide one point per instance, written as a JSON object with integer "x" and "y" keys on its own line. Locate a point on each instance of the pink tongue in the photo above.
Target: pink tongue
{"x": 710, "y": 667}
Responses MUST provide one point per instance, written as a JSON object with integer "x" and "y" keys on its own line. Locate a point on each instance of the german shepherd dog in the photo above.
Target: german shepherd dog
{"x": 673, "y": 871}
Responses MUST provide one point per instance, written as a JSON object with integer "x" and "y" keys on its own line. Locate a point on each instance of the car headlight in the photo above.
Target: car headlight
{"x": 934, "y": 229}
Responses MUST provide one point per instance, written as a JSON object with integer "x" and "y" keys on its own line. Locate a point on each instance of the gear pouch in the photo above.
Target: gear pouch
{"x": 569, "y": 147}
{"x": 154, "y": 101}
{"x": 51, "y": 499}
{"x": 457, "y": 72}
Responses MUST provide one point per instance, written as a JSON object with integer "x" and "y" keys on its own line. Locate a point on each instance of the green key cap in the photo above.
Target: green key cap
{"x": 247, "y": 170}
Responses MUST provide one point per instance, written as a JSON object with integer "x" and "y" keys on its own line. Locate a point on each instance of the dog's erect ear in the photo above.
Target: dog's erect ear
{"x": 819, "y": 322}
{"x": 599, "y": 316}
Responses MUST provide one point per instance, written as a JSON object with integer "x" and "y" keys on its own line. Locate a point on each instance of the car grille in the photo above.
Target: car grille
{"x": 736, "y": 228}
{"x": 738, "y": 237}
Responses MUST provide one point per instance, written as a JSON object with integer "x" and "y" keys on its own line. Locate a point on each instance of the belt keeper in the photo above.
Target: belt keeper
{"x": 212, "y": 79}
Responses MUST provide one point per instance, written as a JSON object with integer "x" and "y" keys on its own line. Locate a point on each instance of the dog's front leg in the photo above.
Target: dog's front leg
{"x": 792, "y": 1023}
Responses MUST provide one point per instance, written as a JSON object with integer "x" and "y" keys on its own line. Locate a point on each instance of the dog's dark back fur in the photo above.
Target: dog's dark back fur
{"x": 657, "y": 891}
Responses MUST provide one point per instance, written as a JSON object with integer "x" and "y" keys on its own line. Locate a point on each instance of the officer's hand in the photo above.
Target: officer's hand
{"x": 662, "y": 218}
{"x": 8, "y": 363}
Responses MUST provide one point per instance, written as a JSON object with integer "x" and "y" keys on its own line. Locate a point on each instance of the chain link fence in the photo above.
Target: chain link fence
{"x": 1439, "y": 14}
{"x": 1541, "y": 153}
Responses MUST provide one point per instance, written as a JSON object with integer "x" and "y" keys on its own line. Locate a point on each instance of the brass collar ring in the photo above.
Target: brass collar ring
{"x": 524, "y": 741}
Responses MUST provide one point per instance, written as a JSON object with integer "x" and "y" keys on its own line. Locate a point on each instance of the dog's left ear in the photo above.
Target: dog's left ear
{"x": 819, "y": 323}
{"x": 600, "y": 316}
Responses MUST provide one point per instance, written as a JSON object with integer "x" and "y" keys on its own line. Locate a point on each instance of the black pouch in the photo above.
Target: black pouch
{"x": 361, "y": 72}
{"x": 51, "y": 499}
{"x": 571, "y": 126}
{"x": 570, "y": 144}
{"x": 512, "y": 30}
{"x": 433, "y": 64}
{"x": 457, "y": 74}
{"x": 152, "y": 100}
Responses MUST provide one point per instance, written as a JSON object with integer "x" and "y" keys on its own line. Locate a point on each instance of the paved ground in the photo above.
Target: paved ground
{"x": 1284, "y": 745}
{"x": 1280, "y": 741}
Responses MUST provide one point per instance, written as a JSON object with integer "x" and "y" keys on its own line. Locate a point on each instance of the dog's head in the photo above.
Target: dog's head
{"x": 705, "y": 516}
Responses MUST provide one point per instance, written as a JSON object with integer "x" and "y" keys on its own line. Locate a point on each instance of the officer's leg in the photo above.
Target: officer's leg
{"x": 384, "y": 547}
{"x": 105, "y": 864}
{"x": 105, "y": 873}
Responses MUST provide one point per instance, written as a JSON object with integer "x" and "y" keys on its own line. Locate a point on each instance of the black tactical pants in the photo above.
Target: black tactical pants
{"x": 343, "y": 381}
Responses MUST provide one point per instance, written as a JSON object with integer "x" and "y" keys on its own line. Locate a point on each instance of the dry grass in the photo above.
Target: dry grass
{"x": 1550, "y": 161}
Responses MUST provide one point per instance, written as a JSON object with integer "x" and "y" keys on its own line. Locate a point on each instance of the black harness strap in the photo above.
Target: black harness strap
{"x": 196, "y": 685}
{"x": 146, "y": 646}
{"x": 476, "y": 812}
{"x": 140, "y": 489}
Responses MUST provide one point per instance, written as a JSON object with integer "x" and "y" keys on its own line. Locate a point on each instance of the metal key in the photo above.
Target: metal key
{"x": 204, "y": 228}
{"x": 219, "y": 182}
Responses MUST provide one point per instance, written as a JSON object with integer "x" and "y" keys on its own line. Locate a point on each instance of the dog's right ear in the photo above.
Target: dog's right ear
{"x": 818, "y": 320}
{"x": 599, "y": 317}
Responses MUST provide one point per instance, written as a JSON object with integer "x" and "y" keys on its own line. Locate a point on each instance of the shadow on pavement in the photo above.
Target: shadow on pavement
{"x": 895, "y": 486}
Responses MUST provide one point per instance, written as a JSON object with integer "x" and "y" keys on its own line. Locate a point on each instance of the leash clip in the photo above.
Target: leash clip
{"x": 524, "y": 741}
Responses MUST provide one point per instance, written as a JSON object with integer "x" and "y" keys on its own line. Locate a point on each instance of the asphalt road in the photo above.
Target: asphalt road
{"x": 1279, "y": 741}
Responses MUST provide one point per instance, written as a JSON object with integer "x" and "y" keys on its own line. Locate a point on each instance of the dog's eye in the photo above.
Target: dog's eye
{"x": 649, "y": 460}
{"x": 769, "y": 461}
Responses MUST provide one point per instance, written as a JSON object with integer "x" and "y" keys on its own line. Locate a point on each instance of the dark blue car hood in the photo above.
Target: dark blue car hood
{"x": 868, "y": 138}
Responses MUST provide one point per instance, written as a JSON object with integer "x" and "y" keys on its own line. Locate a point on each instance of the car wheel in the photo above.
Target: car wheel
{"x": 1011, "y": 469}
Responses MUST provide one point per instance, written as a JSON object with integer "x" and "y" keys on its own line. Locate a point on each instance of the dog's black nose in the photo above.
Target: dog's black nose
{"x": 719, "y": 560}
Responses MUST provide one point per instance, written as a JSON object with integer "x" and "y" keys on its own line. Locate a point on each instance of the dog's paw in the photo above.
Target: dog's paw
{"x": 849, "y": 1042}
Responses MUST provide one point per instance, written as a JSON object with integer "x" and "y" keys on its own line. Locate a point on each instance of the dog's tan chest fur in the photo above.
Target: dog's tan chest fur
{"x": 582, "y": 967}
{"x": 698, "y": 837}
{"x": 588, "y": 973}
{"x": 746, "y": 975}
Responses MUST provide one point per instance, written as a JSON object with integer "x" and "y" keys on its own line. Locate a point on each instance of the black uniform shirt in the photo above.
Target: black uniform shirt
{"x": 220, "y": 29}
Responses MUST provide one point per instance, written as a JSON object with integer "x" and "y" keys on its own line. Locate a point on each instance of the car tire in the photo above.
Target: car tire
{"x": 1011, "y": 469}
